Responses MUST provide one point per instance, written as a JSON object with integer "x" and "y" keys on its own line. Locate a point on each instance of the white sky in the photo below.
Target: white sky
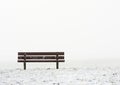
{"x": 83, "y": 29}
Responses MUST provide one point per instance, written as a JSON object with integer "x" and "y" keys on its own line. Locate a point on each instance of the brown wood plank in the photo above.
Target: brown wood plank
{"x": 40, "y": 57}
{"x": 41, "y": 53}
{"x": 41, "y": 60}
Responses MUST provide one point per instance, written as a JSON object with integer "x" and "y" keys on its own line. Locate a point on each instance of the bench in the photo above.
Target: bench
{"x": 41, "y": 57}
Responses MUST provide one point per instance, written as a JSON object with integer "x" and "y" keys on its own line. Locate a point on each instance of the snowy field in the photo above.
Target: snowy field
{"x": 62, "y": 76}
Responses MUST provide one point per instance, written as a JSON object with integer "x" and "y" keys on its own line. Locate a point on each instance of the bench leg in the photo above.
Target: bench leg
{"x": 57, "y": 65}
{"x": 24, "y": 65}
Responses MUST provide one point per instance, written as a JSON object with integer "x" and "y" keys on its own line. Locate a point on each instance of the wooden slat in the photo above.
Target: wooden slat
{"x": 39, "y": 60}
{"x": 38, "y": 55}
{"x": 41, "y": 53}
{"x": 41, "y": 57}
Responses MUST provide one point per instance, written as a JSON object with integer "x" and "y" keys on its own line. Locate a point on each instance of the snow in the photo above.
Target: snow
{"x": 62, "y": 76}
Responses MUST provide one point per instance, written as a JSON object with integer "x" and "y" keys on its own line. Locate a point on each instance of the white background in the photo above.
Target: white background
{"x": 86, "y": 30}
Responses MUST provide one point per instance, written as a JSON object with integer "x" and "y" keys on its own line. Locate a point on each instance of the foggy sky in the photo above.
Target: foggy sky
{"x": 83, "y": 29}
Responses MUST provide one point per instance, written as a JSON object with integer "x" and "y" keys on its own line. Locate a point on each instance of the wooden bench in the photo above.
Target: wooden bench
{"x": 41, "y": 57}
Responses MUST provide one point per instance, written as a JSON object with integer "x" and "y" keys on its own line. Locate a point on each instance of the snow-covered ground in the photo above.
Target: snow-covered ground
{"x": 62, "y": 76}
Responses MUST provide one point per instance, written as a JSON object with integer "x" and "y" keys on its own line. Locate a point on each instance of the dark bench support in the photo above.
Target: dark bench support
{"x": 57, "y": 63}
{"x": 24, "y": 61}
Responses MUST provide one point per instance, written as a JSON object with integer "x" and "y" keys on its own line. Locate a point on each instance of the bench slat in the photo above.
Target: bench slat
{"x": 40, "y": 57}
{"x": 41, "y": 53}
{"x": 39, "y": 60}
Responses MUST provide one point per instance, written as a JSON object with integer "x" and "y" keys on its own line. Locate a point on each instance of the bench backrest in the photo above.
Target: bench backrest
{"x": 41, "y": 57}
